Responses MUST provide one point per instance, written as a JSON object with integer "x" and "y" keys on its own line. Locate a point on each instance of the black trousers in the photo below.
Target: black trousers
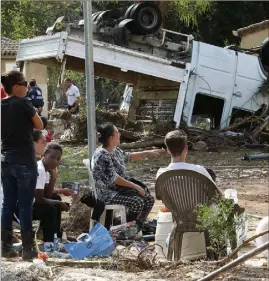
{"x": 50, "y": 219}
{"x": 72, "y": 106}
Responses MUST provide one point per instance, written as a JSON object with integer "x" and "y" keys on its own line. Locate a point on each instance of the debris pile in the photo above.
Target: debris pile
{"x": 252, "y": 129}
{"x": 79, "y": 214}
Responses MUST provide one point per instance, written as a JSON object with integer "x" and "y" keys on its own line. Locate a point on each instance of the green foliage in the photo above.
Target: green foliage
{"x": 189, "y": 11}
{"x": 216, "y": 23}
{"x": 27, "y": 18}
{"x": 220, "y": 222}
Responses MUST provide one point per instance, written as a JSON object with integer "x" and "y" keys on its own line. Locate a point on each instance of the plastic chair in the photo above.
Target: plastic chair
{"x": 119, "y": 208}
{"x": 182, "y": 191}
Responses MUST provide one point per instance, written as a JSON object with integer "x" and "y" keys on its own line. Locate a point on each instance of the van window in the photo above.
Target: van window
{"x": 207, "y": 111}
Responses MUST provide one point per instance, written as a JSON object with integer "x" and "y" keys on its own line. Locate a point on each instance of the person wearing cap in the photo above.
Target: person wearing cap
{"x": 35, "y": 96}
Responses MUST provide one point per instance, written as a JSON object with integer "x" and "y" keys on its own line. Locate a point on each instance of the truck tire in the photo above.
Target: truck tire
{"x": 147, "y": 18}
{"x": 128, "y": 11}
{"x": 95, "y": 15}
{"x": 108, "y": 14}
{"x": 264, "y": 53}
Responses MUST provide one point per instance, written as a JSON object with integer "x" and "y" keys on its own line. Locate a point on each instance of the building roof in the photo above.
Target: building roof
{"x": 9, "y": 47}
{"x": 251, "y": 28}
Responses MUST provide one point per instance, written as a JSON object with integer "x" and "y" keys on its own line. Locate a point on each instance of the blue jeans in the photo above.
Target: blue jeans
{"x": 19, "y": 184}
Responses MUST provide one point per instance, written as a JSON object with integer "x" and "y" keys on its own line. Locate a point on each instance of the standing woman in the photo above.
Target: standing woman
{"x": 18, "y": 163}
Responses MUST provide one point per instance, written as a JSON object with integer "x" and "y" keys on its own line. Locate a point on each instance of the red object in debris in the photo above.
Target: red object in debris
{"x": 49, "y": 136}
{"x": 3, "y": 93}
{"x": 42, "y": 256}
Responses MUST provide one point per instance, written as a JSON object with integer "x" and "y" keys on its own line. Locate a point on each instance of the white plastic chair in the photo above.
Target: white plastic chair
{"x": 119, "y": 208}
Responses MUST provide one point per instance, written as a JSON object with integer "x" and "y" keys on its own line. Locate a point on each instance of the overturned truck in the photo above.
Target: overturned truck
{"x": 169, "y": 75}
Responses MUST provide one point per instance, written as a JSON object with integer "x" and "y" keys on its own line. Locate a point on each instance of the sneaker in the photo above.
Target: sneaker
{"x": 60, "y": 247}
{"x": 52, "y": 251}
{"x": 59, "y": 255}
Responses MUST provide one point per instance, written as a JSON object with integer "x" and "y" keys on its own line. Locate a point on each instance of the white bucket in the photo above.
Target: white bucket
{"x": 193, "y": 246}
{"x": 164, "y": 226}
{"x": 231, "y": 194}
{"x": 263, "y": 225}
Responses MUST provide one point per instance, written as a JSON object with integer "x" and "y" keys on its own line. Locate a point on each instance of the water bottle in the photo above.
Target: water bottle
{"x": 231, "y": 194}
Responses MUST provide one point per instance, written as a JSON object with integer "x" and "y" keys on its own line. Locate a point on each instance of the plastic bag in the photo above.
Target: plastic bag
{"x": 97, "y": 242}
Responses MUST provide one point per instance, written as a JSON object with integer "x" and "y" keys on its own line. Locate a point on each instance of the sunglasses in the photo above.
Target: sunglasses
{"x": 24, "y": 83}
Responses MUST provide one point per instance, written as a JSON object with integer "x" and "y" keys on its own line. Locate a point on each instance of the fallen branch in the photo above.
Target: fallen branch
{"x": 129, "y": 135}
{"x": 236, "y": 262}
{"x": 234, "y": 253}
{"x": 142, "y": 144}
{"x": 257, "y": 131}
{"x": 249, "y": 119}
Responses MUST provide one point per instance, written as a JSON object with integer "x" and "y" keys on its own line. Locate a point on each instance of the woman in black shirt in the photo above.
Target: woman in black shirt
{"x": 18, "y": 162}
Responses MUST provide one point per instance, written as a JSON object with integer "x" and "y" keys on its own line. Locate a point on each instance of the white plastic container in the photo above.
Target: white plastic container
{"x": 263, "y": 225}
{"x": 193, "y": 246}
{"x": 164, "y": 226}
{"x": 231, "y": 194}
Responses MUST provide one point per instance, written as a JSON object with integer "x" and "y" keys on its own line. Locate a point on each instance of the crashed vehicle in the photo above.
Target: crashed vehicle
{"x": 169, "y": 75}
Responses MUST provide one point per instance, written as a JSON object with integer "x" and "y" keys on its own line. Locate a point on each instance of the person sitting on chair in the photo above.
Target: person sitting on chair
{"x": 176, "y": 143}
{"x": 112, "y": 183}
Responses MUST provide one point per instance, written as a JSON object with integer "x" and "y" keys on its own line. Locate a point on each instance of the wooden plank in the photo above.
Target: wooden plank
{"x": 77, "y": 263}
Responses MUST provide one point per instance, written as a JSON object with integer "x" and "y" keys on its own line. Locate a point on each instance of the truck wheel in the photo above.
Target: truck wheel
{"x": 128, "y": 11}
{"x": 95, "y": 15}
{"x": 109, "y": 14}
{"x": 264, "y": 53}
{"x": 147, "y": 17}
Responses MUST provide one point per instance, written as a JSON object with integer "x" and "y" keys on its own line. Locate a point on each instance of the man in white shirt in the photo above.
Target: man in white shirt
{"x": 176, "y": 143}
{"x": 72, "y": 95}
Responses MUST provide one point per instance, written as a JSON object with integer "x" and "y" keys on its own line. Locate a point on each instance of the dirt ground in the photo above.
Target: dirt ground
{"x": 249, "y": 178}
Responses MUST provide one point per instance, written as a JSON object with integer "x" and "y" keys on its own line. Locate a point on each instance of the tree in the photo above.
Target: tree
{"x": 26, "y": 18}
{"x": 217, "y": 21}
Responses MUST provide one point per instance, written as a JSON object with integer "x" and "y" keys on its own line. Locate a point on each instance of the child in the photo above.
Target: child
{"x": 46, "y": 132}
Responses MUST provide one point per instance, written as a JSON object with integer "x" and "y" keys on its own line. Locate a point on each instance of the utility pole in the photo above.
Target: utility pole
{"x": 89, "y": 71}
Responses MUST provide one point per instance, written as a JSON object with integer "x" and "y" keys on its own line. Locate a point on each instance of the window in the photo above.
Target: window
{"x": 207, "y": 111}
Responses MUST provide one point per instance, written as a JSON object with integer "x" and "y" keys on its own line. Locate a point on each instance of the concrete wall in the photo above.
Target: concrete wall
{"x": 31, "y": 70}
{"x": 254, "y": 39}
{"x": 39, "y": 73}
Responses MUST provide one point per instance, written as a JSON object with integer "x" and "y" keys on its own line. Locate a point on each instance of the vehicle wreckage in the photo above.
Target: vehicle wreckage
{"x": 168, "y": 75}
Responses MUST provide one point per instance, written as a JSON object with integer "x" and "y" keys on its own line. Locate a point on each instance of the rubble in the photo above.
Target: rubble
{"x": 136, "y": 135}
{"x": 79, "y": 215}
{"x": 199, "y": 146}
